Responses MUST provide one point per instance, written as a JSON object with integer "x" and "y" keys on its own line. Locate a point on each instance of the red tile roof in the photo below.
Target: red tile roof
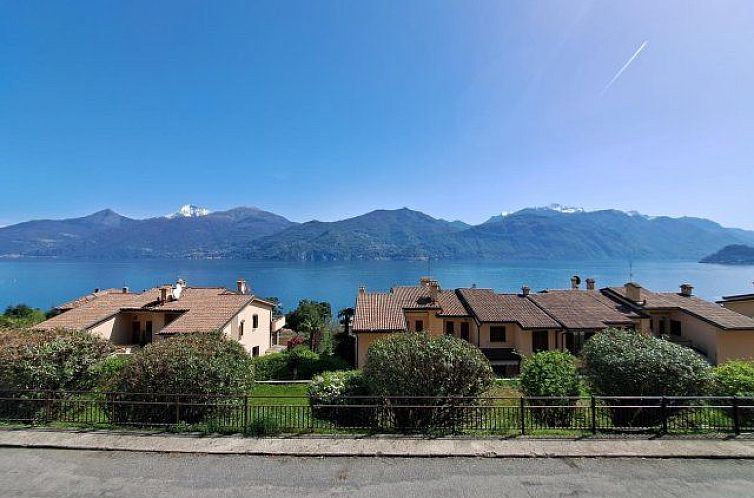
{"x": 202, "y": 309}
{"x": 583, "y": 309}
{"x": 488, "y": 306}
{"x": 710, "y": 312}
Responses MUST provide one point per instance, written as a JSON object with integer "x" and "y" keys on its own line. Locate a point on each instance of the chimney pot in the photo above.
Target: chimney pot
{"x": 163, "y": 294}
{"x": 434, "y": 290}
{"x": 687, "y": 289}
{"x": 424, "y": 281}
{"x": 525, "y": 290}
{"x": 633, "y": 291}
{"x": 241, "y": 286}
{"x": 575, "y": 282}
{"x": 590, "y": 283}
{"x": 125, "y": 290}
{"x": 362, "y": 289}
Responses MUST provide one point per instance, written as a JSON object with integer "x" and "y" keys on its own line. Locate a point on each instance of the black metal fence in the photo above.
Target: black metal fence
{"x": 260, "y": 415}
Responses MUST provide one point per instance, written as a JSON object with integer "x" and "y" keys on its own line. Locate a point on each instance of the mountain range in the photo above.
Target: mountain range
{"x": 554, "y": 232}
{"x": 734, "y": 254}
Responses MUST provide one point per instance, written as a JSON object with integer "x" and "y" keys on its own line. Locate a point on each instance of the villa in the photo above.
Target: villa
{"x": 740, "y": 303}
{"x": 132, "y": 319}
{"x": 508, "y": 327}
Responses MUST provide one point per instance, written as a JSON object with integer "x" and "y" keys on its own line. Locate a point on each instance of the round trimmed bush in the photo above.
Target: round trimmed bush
{"x": 552, "y": 374}
{"x": 272, "y": 366}
{"x": 328, "y": 393}
{"x": 417, "y": 365}
{"x": 624, "y": 363}
{"x": 182, "y": 379}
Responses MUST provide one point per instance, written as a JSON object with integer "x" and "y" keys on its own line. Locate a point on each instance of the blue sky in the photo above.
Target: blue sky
{"x": 330, "y": 109}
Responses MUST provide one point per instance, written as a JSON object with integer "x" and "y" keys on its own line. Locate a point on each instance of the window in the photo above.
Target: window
{"x": 450, "y": 328}
{"x": 540, "y": 340}
{"x": 419, "y": 325}
{"x": 675, "y": 328}
{"x": 255, "y": 322}
{"x": 497, "y": 334}
{"x": 240, "y": 329}
{"x": 255, "y": 351}
{"x": 465, "y": 331}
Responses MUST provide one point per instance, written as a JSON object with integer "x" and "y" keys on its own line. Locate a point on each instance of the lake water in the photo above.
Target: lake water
{"x": 44, "y": 283}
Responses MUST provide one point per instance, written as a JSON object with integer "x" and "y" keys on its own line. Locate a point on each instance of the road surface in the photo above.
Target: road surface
{"x": 43, "y": 473}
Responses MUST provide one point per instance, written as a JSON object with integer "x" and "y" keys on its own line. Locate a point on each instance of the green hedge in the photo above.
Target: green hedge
{"x": 736, "y": 378}
{"x": 550, "y": 373}
{"x": 416, "y": 364}
{"x": 626, "y": 363}
{"x": 300, "y": 363}
{"x": 169, "y": 370}
{"x": 331, "y": 390}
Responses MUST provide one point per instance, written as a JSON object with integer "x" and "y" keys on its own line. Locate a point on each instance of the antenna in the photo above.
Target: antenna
{"x": 630, "y": 271}
{"x": 429, "y": 265}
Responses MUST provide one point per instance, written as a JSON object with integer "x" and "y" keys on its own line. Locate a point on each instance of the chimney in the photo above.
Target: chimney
{"x": 590, "y": 284}
{"x": 525, "y": 290}
{"x": 96, "y": 290}
{"x": 633, "y": 291}
{"x": 125, "y": 290}
{"x": 434, "y": 290}
{"x": 687, "y": 289}
{"x": 241, "y": 286}
{"x": 424, "y": 281}
{"x": 362, "y": 289}
{"x": 575, "y": 282}
{"x": 163, "y": 294}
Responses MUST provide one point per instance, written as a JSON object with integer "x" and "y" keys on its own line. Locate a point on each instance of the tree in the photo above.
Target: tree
{"x": 21, "y": 315}
{"x": 345, "y": 342}
{"x": 277, "y": 308}
{"x": 552, "y": 374}
{"x": 345, "y": 318}
{"x": 310, "y": 318}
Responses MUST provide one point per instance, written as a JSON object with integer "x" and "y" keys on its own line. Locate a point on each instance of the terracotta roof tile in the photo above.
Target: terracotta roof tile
{"x": 711, "y": 312}
{"x": 489, "y": 306}
{"x": 582, "y": 309}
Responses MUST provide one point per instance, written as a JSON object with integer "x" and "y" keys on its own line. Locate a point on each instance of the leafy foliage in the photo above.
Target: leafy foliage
{"x": 550, "y": 373}
{"x": 298, "y": 363}
{"x": 49, "y": 360}
{"x": 20, "y": 316}
{"x": 417, "y": 365}
{"x": 184, "y": 370}
{"x": 621, "y": 363}
{"x": 736, "y": 378}
{"x": 107, "y": 371}
{"x": 331, "y": 390}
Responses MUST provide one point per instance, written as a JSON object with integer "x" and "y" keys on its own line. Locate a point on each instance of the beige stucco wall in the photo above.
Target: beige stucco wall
{"x": 104, "y": 329}
{"x": 252, "y": 337}
{"x": 363, "y": 341}
{"x": 457, "y": 327}
{"x": 433, "y": 325}
{"x": 743, "y": 307}
{"x": 735, "y": 345}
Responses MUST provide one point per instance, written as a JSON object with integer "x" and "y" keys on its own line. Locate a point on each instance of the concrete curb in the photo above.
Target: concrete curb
{"x": 380, "y": 446}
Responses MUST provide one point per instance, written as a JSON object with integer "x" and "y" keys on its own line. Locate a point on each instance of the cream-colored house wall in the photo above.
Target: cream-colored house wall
{"x": 252, "y": 337}
{"x": 104, "y": 329}
{"x": 433, "y": 325}
{"x": 511, "y": 335}
{"x": 363, "y": 341}
{"x": 735, "y": 345}
{"x": 743, "y": 307}
{"x": 457, "y": 327}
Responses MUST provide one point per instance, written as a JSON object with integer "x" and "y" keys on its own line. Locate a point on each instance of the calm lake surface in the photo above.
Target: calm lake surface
{"x": 44, "y": 283}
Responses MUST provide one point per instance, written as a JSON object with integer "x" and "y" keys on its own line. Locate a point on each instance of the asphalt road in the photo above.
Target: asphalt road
{"x": 53, "y": 473}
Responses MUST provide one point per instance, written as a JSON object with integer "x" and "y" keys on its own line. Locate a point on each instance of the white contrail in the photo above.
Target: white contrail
{"x": 625, "y": 66}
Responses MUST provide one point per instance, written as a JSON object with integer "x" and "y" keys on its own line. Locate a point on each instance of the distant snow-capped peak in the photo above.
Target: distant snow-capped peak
{"x": 564, "y": 209}
{"x": 189, "y": 211}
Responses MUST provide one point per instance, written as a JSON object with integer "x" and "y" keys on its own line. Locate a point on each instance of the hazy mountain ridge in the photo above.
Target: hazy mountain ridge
{"x": 251, "y": 233}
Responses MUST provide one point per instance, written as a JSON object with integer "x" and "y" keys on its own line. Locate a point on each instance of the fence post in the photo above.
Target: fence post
{"x": 177, "y": 410}
{"x": 244, "y": 418}
{"x": 664, "y": 414}
{"x": 523, "y": 416}
{"x": 594, "y": 415}
{"x": 736, "y": 420}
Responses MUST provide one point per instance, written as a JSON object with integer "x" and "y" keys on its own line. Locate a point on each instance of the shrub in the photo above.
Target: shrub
{"x": 272, "y": 366}
{"x": 295, "y": 341}
{"x": 621, "y": 363}
{"x": 300, "y": 363}
{"x": 181, "y": 378}
{"x": 550, "y": 373}
{"x": 331, "y": 390}
{"x": 49, "y": 361}
{"x": 736, "y": 378}
{"x": 416, "y": 365}
{"x": 107, "y": 371}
